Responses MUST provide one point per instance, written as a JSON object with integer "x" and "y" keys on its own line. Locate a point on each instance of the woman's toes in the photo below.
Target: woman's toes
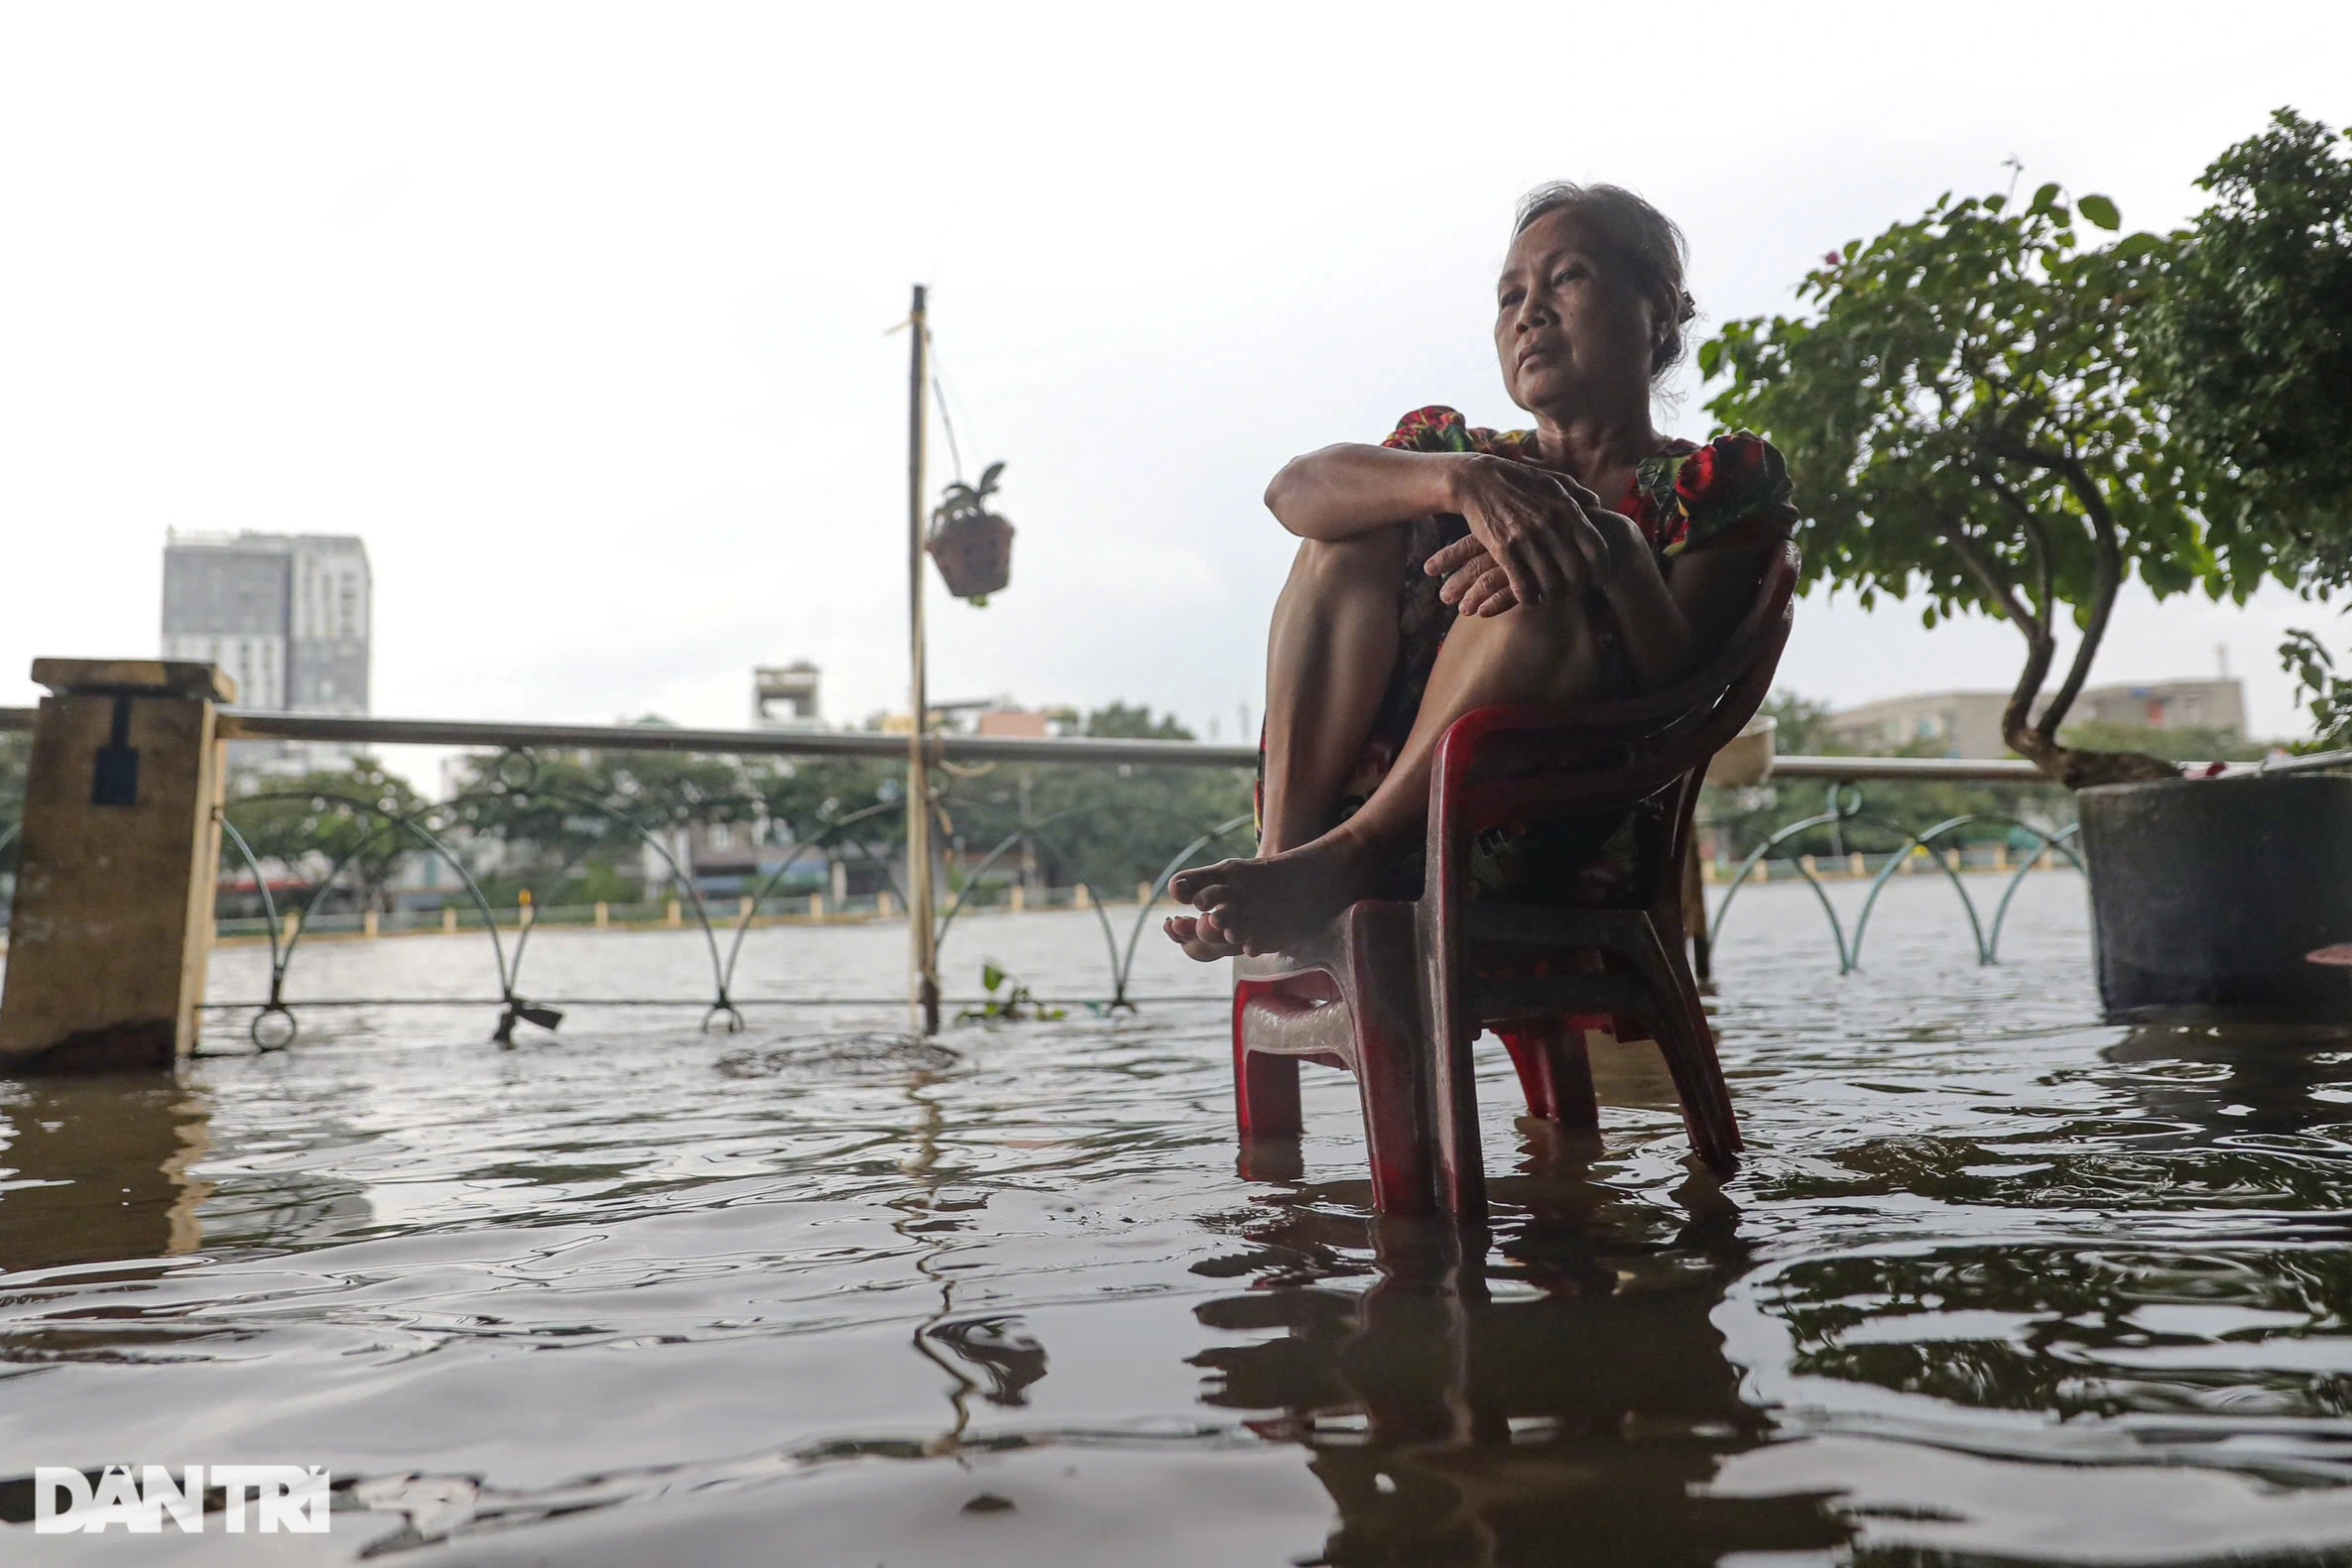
{"x": 1184, "y": 887}
{"x": 1212, "y": 901}
{"x": 1199, "y": 938}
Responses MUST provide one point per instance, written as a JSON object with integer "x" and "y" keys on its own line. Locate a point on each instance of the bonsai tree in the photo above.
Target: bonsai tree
{"x": 1967, "y": 421}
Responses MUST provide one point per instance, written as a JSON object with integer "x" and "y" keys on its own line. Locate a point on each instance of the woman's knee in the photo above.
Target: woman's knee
{"x": 1373, "y": 560}
{"x": 1548, "y": 648}
{"x": 1564, "y": 623}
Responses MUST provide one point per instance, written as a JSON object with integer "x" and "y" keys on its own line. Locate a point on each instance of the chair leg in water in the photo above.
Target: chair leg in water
{"x": 1689, "y": 1045}
{"x": 1265, "y": 1086}
{"x": 1554, "y": 1069}
{"x": 1391, "y": 1079}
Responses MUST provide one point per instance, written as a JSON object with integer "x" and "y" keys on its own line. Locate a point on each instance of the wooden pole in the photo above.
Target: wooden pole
{"x": 924, "y": 1002}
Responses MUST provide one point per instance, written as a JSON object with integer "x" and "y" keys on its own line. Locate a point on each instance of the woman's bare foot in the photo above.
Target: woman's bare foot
{"x": 1262, "y": 904}
{"x": 1201, "y": 938}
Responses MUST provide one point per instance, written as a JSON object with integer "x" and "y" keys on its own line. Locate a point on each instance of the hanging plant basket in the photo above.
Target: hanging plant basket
{"x": 972, "y": 546}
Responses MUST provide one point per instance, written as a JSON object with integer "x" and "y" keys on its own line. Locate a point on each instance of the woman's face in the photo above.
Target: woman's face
{"x": 1569, "y": 326}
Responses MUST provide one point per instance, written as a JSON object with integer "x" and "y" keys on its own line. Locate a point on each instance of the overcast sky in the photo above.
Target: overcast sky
{"x": 577, "y": 312}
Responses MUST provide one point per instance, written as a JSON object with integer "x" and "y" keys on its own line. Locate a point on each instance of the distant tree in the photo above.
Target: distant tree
{"x": 1109, "y": 827}
{"x": 805, "y": 796}
{"x": 544, "y": 819}
{"x": 1800, "y": 726}
{"x": 1966, "y": 420}
{"x": 572, "y": 818}
{"x": 329, "y": 817}
{"x": 16, "y": 750}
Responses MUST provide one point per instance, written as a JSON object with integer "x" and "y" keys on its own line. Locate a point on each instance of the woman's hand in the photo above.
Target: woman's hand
{"x": 1535, "y": 536}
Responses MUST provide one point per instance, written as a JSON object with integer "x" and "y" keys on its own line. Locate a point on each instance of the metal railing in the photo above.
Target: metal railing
{"x": 273, "y": 1022}
{"x": 241, "y": 724}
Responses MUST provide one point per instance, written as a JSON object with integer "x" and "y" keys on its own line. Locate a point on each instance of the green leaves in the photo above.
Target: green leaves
{"x": 2251, "y": 344}
{"x": 2101, "y": 212}
{"x": 2320, "y": 689}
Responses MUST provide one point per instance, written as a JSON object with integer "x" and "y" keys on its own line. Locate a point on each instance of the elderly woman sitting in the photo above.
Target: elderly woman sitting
{"x": 1451, "y": 567}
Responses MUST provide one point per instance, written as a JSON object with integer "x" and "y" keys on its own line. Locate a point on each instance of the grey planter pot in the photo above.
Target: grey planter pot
{"x": 2207, "y": 893}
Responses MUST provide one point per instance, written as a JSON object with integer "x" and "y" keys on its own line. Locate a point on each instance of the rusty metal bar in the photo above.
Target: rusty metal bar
{"x": 242, "y": 725}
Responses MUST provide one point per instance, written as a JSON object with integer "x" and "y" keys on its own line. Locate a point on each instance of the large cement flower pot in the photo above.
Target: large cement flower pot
{"x": 2206, "y": 895}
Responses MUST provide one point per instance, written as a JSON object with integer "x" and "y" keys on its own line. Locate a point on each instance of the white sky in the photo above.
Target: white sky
{"x": 576, "y": 313}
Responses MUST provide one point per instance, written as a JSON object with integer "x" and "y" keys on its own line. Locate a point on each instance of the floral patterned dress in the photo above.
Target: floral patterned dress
{"x": 1732, "y": 492}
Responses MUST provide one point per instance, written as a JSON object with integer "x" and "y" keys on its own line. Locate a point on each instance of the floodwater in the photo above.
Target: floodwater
{"x": 1996, "y": 1284}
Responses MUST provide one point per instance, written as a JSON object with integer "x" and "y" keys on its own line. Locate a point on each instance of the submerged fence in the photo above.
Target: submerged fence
{"x": 1843, "y": 839}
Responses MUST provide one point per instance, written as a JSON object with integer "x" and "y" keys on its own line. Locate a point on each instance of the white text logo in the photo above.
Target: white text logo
{"x": 265, "y": 1499}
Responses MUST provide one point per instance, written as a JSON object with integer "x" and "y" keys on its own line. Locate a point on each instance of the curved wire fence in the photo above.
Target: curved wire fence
{"x": 1939, "y": 844}
{"x": 274, "y": 1023}
{"x": 861, "y": 837}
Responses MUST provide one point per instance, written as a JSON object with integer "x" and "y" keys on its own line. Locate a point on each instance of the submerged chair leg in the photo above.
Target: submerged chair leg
{"x": 1687, "y": 1043}
{"x": 1554, "y": 1069}
{"x": 1703, "y": 1032}
{"x": 1265, "y": 1086}
{"x": 1392, "y": 1065}
{"x": 1397, "y": 1137}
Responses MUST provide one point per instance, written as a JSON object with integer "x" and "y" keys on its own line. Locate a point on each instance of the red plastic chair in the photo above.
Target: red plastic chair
{"x": 1365, "y": 993}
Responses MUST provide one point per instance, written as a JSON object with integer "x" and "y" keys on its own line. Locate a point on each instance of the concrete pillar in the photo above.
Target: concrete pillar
{"x": 1763, "y": 871}
{"x": 1142, "y": 893}
{"x": 840, "y": 879}
{"x": 449, "y": 917}
{"x": 1854, "y": 866}
{"x": 1080, "y": 898}
{"x": 603, "y": 914}
{"x": 1015, "y": 900}
{"x": 743, "y": 907}
{"x": 522, "y": 915}
{"x": 884, "y": 905}
{"x": 674, "y": 915}
{"x": 1810, "y": 865}
{"x": 118, "y": 859}
{"x": 369, "y": 925}
{"x": 817, "y": 906}
{"x": 290, "y": 925}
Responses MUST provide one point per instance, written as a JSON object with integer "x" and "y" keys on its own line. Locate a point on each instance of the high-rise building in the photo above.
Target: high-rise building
{"x": 286, "y": 614}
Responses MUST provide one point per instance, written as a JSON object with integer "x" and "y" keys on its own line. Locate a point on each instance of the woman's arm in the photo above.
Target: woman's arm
{"x": 1669, "y": 627}
{"x": 1350, "y": 489}
{"x": 1666, "y": 628}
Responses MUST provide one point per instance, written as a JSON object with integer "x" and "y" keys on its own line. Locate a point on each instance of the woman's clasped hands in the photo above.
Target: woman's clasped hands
{"x": 1535, "y": 538}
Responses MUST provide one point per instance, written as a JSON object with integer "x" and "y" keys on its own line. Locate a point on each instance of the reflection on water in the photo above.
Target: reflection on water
{"x": 1996, "y": 1284}
{"x": 1578, "y": 1417}
{"x": 98, "y": 1170}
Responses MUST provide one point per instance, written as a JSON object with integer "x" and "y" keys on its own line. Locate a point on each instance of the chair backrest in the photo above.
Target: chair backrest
{"x": 1504, "y": 761}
